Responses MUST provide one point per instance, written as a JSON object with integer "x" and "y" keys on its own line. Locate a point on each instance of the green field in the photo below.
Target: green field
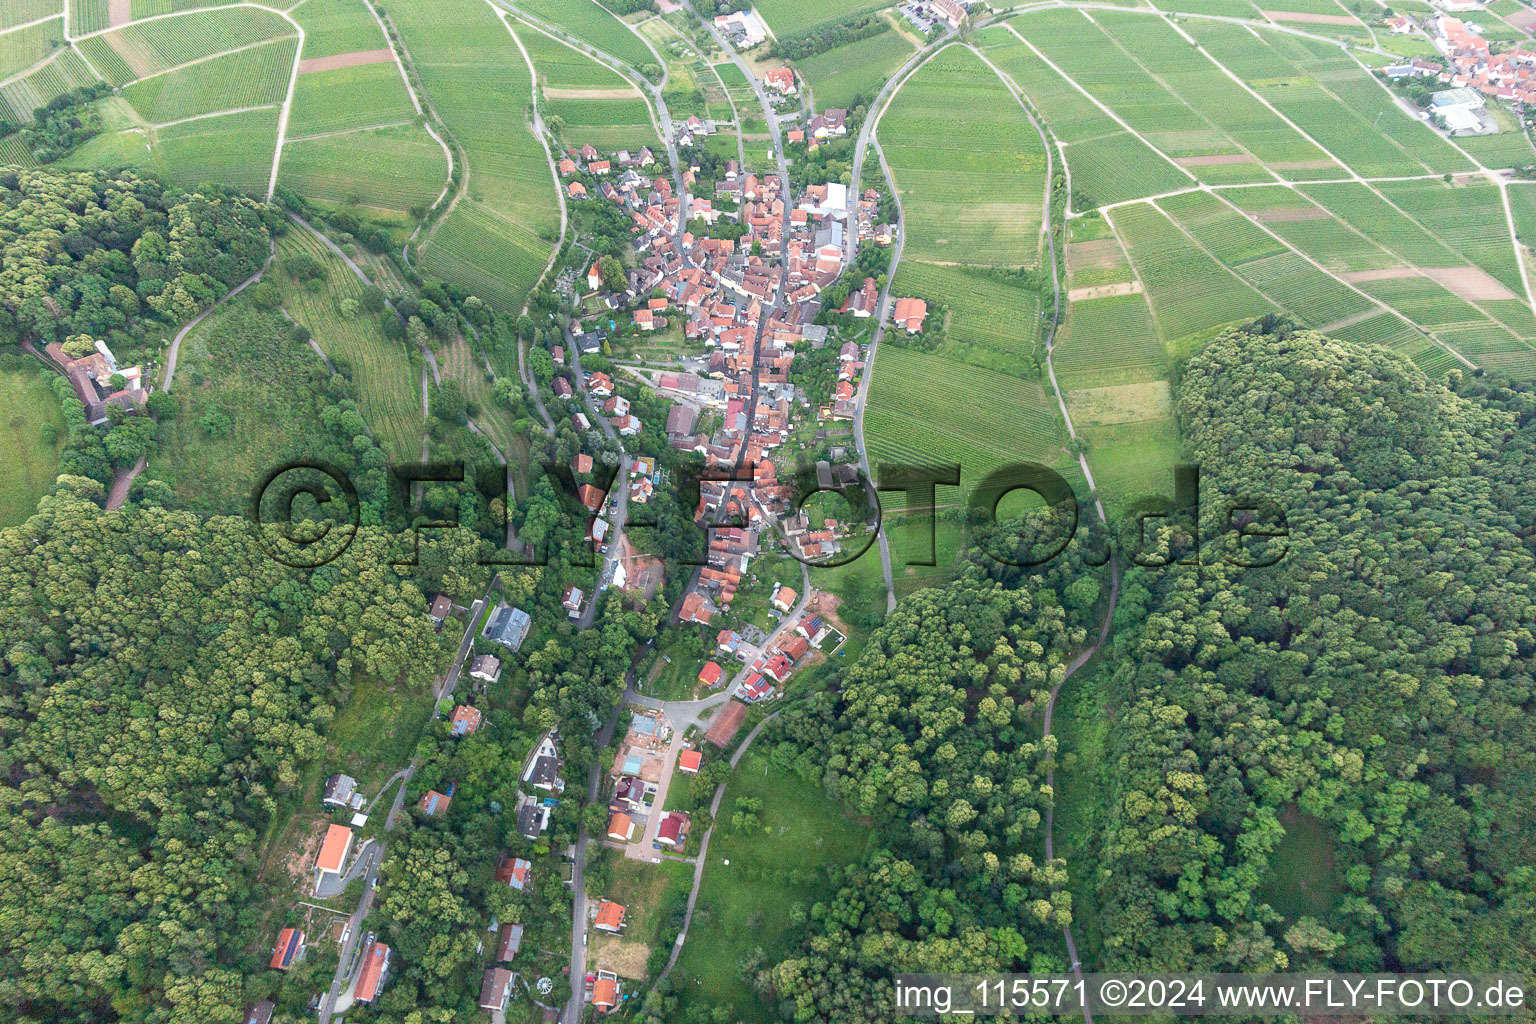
{"x": 614, "y": 116}
{"x": 499, "y": 237}
{"x": 593, "y": 24}
{"x": 397, "y": 168}
{"x": 838, "y": 75}
{"x": 24, "y": 47}
{"x": 1190, "y": 292}
{"x": 346, "y": 99}
{"x": 750, "y": 902}
{"x": 798, "y": 17}
{"x": 1301, "y": 880}
{"x": 388, "y": 385}
{"x": 1107, "y": 163}
{"x": 1330, "y": 96}
{"x": 229, "y": 149}
{"x": 30, "y": 461}
{"x": 337, "y": 26}
{"x": 66, "y": 71}
{"x": 927, "y": 410}
{"x": 968, "y": 165}
{"x": 251, "y": 78}
{"x": 19, "y": 12}
{"x": 993, "y": 319}
{"x": 146, "y": 48}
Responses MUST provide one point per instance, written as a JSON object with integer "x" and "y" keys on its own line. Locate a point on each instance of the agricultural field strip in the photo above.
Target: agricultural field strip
{"x": 410, "y": 89}
{"x": 1508, "y": 214}
{"x": 1169, "y": 90}
{"x": 1095, "y": 100}
{"x": 554, "y": 174}
{"x": 640, "y": 94}
{"x": 1146, "y": 294}
{"x": 214, "y": 56}
{"x": 30, "y": 24}
{"x": 1382, "y": 306}
{"x": 28, "y": 71}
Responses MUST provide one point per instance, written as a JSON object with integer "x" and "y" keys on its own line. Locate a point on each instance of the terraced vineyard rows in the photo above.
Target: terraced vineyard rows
{"x": 347, "y": 98}
{"x": 397, "y": 168}
{"x": 145, "y": 49}
{"x": 968, "y": 164}
{"x": 337, "y": 26}
{"x": 498, "y": 239}
{"x": 251, "y": 78}
{"x": 64, "y": 72}
{"x": 586, "y": 20}
{"x": 598, "y": 105}
{"x": 388, "y": 390}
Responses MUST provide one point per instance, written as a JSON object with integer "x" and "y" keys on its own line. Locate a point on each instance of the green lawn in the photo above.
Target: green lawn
{"x": 1301, "y": 881}
{"x": 242, "y": 366}
{"x": 28, "y": 463}
{"x": 748, "y": 904}
{"x": 375, "y": 733}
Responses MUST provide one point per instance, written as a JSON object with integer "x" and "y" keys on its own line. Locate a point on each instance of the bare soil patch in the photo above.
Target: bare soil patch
{"x": 1104, "y": 291}
{"x": 1471, "y": 283}
{"x": 119, "y": 12}
{"x": 621, "y": 956}
{"x": 1214, "y": 159}
{"x": 1096, "y": 255}
{"x": 1303, "y": 165}
{"x": 1284, "y": 214}
{"x": 1311, "y": 19}
{"x": 590, "y": 94}
{"x": 1522, "y": 19}
{"x": 345, "y": 60}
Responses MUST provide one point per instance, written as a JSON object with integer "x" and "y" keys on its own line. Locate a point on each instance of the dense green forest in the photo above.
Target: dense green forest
{"x": 117, "y": 256}
{"x": 164, "y": 684}
{"x": 1376, "y": 680}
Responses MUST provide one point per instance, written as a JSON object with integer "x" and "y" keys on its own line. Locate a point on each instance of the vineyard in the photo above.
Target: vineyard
{"x": 337, "y": 26}
{"x": 857, "y": 69}
{"x": 250, "y": 78}
{"x": 233, "y": 149}
{"x": 587, "y": 21}
{"x": 798, "y": 17}
{"x": 1329, "y": 96}
{"x": 86, "y": 16}
{"x": 388, "y": 385}
{"x": 598, "y": 105}
{"x": 993, "y": 319}
{"x": 396, "y": 168}
{"x": 53, "y": 78}
{"x": 344, "y": 99}
{"x": 24, "y": 47}
{"x": 19, "y": 12}
{"x": 1109, "y": 341}
{"x": 969, "y": 166}
{"x": 498, "y": 242}
{"x": 1190, "y": 292}
{"x": 139, "y": 50}
{"x": 1198, "y": 82}
{"x": 924, "y": 410}
{"x": 487, "y": 256}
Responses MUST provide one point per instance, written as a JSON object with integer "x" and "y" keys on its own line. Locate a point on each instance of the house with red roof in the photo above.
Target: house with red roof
{"x": 710, "y": 674}
{"x": 375, "y": 970}
{"x": 690, "y": 761}
{"x": 290, "y": 944}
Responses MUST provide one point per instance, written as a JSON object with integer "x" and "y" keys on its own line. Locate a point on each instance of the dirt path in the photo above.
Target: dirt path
{"x": 122, "y": 480}
{"x": 537, "y": 127}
